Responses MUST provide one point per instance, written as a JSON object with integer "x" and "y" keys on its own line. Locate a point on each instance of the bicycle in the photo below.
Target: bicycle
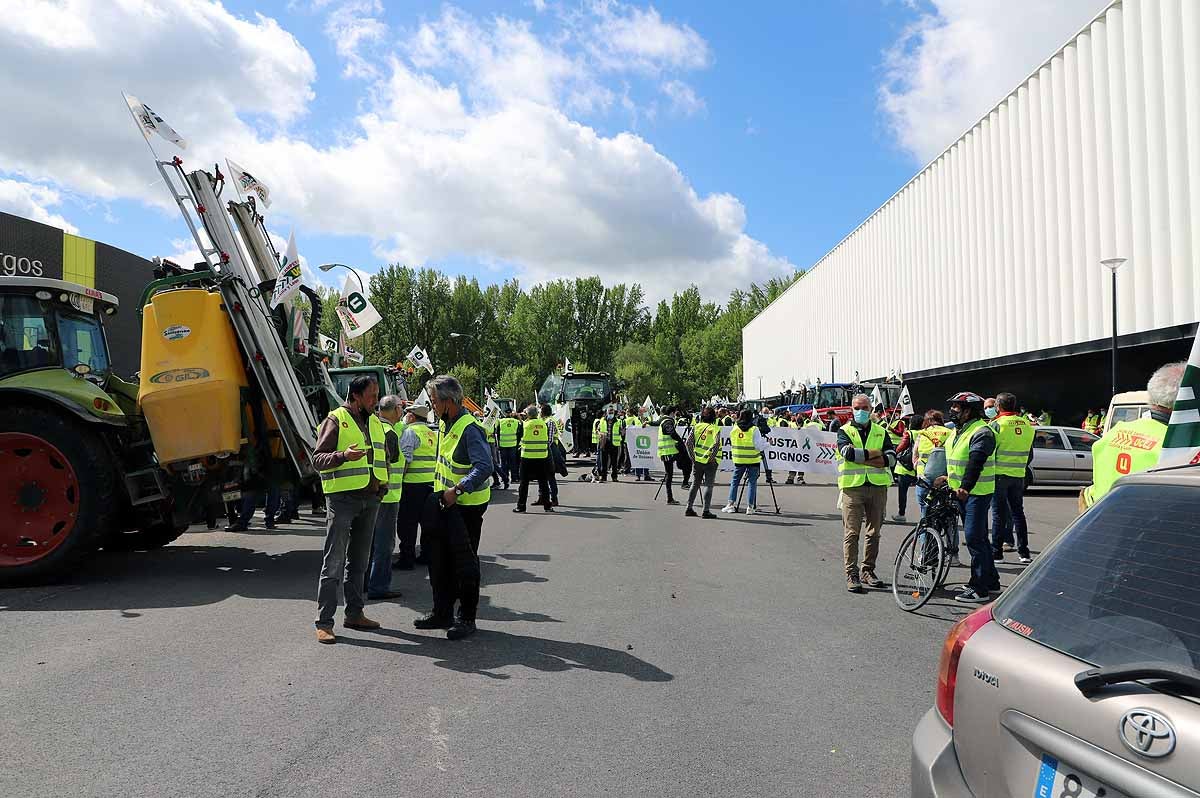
{"x": 923, "y": 560}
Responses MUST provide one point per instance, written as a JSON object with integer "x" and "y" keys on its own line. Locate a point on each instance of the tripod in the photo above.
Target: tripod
{"x": 742, "y": 489}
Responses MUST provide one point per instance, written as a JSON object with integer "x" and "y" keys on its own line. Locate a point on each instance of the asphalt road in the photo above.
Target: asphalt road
{"x": 624, "y": 650}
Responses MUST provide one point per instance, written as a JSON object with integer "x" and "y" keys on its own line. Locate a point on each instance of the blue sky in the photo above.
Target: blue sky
{"x": 671, "y": 143}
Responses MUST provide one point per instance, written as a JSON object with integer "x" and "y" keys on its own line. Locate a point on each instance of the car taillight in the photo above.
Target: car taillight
{"x": 959, "y": 634}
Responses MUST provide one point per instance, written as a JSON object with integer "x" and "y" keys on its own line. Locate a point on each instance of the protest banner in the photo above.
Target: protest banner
{"x": 642, "y": 445}
{"x": 791, "y": 449}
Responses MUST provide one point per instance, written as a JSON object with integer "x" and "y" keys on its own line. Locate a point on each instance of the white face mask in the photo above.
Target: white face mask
{"x": 990, "y": 412}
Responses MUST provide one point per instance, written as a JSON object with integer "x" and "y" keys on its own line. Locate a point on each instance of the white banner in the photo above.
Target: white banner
{"x": 355, "y": 311}
{"x": 246, "y": 184}
{"x": 287, "y": 284}
{"x": 791, "y": 449}
{"x": 642, "y": 445}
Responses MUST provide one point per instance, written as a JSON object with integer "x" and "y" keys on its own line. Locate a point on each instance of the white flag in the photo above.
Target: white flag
{"x": 814, "y": 414}
{"x": 420, "y": 358}
{"x": 423, "y": 398}
{"x": 877, "y": 398}
{"x": 150, "y": 122}
{"x": 1181, "y": 446}
{"x": 906, "y": 403}
{"x": 328, "y": 344}
{"x": 567, "y": 365}
{"x": 287, "y": 284}
{"x": 346, "y": 351}
{"x": 247, "y": 183}
{"x": 355, "y": 311}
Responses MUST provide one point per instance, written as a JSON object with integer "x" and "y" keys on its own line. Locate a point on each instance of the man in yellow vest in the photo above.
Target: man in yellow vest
{"x": 453, "y": 519}
{"x": 670, "y": 449}
{"x": 379, "y": 575}
{"x": 864, "y": 474}
{"x": 611, "y": 443}
{"x": 1014, "y": 450}
{"x": 535, "y": 460}
{"x": 747, "y": 443}
{"x": 704, "y": 448}
{"x": 971, "y": 472}
{"x": 1131, "y": 447}
{"x": 351, "y": 458}
{"x": 508, "y": 431}
{"x": 418, "y": 449}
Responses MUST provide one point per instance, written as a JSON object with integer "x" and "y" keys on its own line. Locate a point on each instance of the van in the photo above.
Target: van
{"x": 1128, "y": 406}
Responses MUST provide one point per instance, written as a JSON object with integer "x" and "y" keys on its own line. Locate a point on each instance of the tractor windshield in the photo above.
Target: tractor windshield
{"x": 25, "y": 334}
{"x": 833, "y": 396}
{"x": 586, "y": 388}
{"x": 81, "y": 339}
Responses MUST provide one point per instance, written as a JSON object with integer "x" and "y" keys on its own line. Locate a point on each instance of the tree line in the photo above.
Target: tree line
{"x": 685, "y": 350}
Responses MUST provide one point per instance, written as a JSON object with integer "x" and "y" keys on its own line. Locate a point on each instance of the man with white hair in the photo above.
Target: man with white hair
{"x": 1133, "y": 446}
{"x": 864, "y": 474}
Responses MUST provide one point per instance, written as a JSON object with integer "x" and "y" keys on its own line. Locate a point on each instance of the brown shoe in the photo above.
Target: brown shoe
{"x": 360, "y": 622}
{"x": 869, "y": 579}
{"x": 326, "y": 636}
{"x": 853, "y": 585}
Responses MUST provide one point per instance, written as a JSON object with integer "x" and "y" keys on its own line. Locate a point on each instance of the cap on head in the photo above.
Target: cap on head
{"x": 420, "y": 411}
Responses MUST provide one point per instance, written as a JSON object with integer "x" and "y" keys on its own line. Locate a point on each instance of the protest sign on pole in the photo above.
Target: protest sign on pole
{"x": 642, "y": 445}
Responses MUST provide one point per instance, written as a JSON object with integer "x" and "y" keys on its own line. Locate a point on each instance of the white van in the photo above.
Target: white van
{"x": 1128, "y": 406}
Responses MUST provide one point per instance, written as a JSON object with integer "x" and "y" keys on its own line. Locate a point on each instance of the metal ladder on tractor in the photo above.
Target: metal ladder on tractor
{"x": 239, "y": 278}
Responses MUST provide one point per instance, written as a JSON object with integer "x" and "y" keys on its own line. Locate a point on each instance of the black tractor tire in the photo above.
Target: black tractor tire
{"x": 151, "y": 537}
{"x": 93, "y": 505}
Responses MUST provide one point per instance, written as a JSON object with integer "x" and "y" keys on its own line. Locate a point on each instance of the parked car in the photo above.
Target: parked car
{"x": 1083, "y": 679}
{"x": 1128, "y": 406}
{"x": 1061, "y": 456}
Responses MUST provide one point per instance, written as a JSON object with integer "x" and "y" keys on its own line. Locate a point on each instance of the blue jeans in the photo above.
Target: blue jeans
{"x": 250, "y": 503}
{"x": 379, "y": 575}
{"x": 903, "y": 482}
{"x": 750, "y": 472}
{"x": 984, "y": 577}
{"x": 1008, "y": 515}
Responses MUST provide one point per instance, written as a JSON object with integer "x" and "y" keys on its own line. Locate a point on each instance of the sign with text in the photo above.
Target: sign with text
{"x": 791, "y": 449}
{"x": 642, "y": 445}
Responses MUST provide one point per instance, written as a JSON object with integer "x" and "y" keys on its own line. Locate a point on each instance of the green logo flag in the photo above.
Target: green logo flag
{"x": 1182, "y": 443}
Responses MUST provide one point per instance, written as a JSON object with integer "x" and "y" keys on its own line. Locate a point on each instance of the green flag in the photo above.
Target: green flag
{"x": 1182, "y": 443}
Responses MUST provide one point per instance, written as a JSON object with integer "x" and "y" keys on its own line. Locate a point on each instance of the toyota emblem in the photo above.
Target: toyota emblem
{"x": 1147, "y": 733}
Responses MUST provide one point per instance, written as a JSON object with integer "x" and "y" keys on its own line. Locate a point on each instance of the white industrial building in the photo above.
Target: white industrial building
{"x": 990, "y": 258}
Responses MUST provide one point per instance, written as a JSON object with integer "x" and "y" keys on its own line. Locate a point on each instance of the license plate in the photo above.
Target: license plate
{"x": 231, "y": 495}
{"x": 1059, "y": 780}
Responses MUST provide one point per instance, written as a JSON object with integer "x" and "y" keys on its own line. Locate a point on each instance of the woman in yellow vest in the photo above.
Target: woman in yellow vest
{"x": 704, "y": 447}
{"x": 418, "y": 449}
{"x": 747, "y": 445}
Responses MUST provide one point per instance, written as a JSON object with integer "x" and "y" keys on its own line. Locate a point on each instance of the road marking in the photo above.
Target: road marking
{"x": 439, "y": 742}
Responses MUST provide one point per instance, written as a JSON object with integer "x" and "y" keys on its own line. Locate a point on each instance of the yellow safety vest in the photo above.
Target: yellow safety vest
{"x": 958, "y": 448}
{"x": 535, "y": 440}
{"x": 356, "y": 475}
{"x": 852, "y": 475}
{"x": 1014, "y": 439}
{"x": 741, "y": 443}
{"x": 1129, "y": 448}
{"x": 927, "y": 440}
{"x": 508, "y": 432}
{"x": 707, "y": 436}
{"x": 617, "y": 430}
{"x": 596, "y": 431}
{"x": 395, "y": 471}
{"x": 451, "y": 469}
{"x": 666, "y": 444}
{"x": 421, "y": 469}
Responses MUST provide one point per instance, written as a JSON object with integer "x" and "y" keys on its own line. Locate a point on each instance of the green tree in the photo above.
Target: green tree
{"x": 518, "y": 383}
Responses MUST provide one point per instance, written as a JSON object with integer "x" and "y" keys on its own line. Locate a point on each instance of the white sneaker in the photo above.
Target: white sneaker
{"x": 899, "y": 518}
{"x": 751, "y": 510}
{"x": 1026, "y": 560}
{"x": 729, "y": 508}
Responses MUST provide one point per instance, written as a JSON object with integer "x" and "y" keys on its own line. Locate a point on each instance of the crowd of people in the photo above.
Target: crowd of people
{"x": 389, "y": 468}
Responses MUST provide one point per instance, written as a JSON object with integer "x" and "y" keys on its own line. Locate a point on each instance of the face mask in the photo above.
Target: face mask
{"x": 952, "y": 415}
{"x": 862, "y": 416}
{"x": 990, "y": 412}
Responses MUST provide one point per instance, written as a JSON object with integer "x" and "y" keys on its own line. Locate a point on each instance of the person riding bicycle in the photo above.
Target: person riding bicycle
{"x": 971, "y": 472}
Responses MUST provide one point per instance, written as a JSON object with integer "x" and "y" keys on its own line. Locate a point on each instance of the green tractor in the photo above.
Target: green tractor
{"x": 76, "y": 460}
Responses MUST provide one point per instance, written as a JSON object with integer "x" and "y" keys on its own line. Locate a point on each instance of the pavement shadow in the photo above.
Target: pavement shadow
{"x": 489, "y": 650}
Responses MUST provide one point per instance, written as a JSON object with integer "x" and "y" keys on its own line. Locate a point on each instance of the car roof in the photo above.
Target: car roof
{"x": 1186, "y": 475}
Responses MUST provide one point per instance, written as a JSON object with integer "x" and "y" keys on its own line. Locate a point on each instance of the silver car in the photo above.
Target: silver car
{"x": 1061, "y": 456}
{"x": 1083, "y": 679}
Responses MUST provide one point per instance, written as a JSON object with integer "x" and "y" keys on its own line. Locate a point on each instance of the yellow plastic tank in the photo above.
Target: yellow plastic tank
{"x": 192, "y": 376}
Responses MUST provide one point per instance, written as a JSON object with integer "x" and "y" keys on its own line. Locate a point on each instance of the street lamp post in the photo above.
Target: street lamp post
{"x": 831, "y": 356}
{"x": 480, "y": 343}
{"x": 1112, "y": 264}
{"x": 760, "y": 388}
{"x": 325, "y": 267}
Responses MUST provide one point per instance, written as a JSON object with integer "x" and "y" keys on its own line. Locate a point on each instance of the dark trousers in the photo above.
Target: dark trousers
{"x": 685, "y": 466}
{"x": 903, "y": 483}
{"x": 453, "y": 535}
{"x": 611, "y": 461}
{"x": 1008, "y": 515}
{"x": 531, "y": 470}
{"x": 706, "y": 473}
{"x": 510, "y": 464}
{"x": 412, "y": 506}
{"x": 984, "y": 577}
{"x": 669, "y": 467}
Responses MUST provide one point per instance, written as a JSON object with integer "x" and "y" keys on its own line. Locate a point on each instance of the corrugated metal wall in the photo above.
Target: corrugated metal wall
{"x": 994, "y": 248}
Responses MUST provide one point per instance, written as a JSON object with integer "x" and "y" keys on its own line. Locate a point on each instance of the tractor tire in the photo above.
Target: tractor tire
{"x": 58, "y": 495}
{"x": 151, "y": 537}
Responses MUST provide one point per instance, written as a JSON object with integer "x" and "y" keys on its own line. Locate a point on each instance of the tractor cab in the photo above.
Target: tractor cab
{"x": 53, "y": 324}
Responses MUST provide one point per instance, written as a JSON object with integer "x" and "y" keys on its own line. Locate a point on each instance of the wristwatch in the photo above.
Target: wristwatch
{"x": 458, "y": 491}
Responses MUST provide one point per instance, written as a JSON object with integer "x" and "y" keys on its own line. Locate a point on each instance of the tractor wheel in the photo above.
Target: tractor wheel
{"x": 154, "y": 536}
{"x": 57, "y": 497}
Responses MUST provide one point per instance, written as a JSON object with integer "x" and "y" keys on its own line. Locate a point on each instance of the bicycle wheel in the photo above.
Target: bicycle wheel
{"x": 945, "y": 538}
{"x": 919, "y": 563}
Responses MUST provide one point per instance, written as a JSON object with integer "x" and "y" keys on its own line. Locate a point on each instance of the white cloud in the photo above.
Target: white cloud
{"x": 353, "y": 26}
{"x": 33, "y": 202}
{"x": 960, "y": 57}
{"x": 625, "y": 36}
{"x": 464, "y": 145}
{"x": 683, "y": 97}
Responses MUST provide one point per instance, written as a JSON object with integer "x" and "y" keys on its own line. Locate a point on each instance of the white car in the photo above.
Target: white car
{"x": 1061, "y": 456}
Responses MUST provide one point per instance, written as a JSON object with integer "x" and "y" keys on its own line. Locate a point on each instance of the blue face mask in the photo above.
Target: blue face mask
{"x": 990, "y": 412}
{"x": 862, "y": 416}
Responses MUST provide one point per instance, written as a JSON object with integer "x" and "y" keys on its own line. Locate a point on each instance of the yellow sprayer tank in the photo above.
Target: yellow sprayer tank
{"x": 192, "y": 376}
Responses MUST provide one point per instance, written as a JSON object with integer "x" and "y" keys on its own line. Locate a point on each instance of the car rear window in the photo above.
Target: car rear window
{"x": 1122, "y": 585}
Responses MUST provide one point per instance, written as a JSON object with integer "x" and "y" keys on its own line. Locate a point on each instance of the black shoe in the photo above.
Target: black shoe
{"x": 969, "y": 596}
{"x": 236, "y": 526}
{"x": 518, "y": 509}
{"x": 460, "y": 629}
{"x": 708, "y": 515}
{"x": 554, "y": 502}
{"x": 604, "y": 479}
{"x": 386, "y": 596}
{"x": 998, "y": 556}
{"x": 421, "y": 559}
{"x": 789, "y": 481}
{"x": 672, "y": 501}
{"x": 269, "y": 523}
{"x": 548, "y": 508}
{"x": 403, "y": 565}
{"x": 432, "y": 621}
{"x": 616, "y": 480}
{"x": 690, "y": 513}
